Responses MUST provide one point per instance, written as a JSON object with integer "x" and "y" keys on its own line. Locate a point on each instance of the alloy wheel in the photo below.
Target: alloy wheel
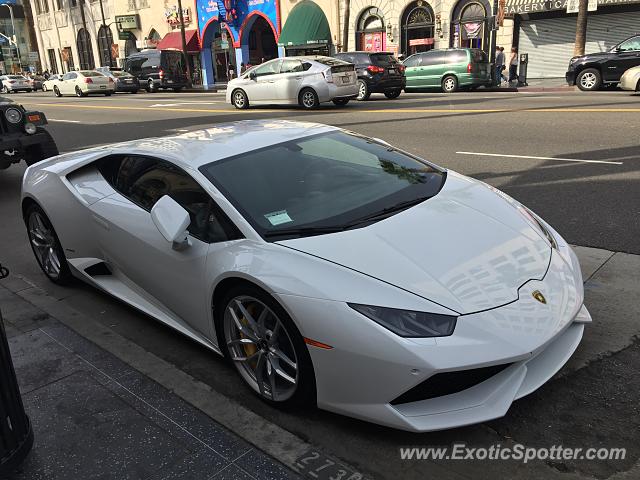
{"x": 588, "y": 80}
{"x": 449, "y": 84}
{"x": 308, "y": 99}
{"x": 261, "y": 348}
{"x": 238, "y": 99}
{"x": 362, "y": 90}
{"x": 44, "y": 244}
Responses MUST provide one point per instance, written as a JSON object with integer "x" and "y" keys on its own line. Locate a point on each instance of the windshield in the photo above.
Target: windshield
{"x": 90, "y": 73}
{"x": 328, "y": 181}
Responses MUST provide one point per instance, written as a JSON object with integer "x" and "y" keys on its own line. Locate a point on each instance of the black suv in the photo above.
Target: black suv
{"x": 22, "y": 136}
{"x": 592, "y": 71}
{"x": 378, "y": 72}
{"x": 156, "y": 69}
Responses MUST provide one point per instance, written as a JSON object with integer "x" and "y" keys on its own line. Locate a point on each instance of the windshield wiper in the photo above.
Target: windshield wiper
{"x": 306, "y": 231}
{"x": 387, "y": 212}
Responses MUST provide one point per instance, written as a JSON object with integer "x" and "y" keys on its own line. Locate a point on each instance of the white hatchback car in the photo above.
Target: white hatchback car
{"x": 306, "y": 81}
{"x": 84, "y": 82}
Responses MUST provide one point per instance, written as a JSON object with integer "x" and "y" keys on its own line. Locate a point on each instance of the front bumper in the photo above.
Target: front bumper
{"x": 570, "y": 76}
{"x": 630, "y": 81}
{"x": 369, "y": 367}
{"x": 13, "y": 146}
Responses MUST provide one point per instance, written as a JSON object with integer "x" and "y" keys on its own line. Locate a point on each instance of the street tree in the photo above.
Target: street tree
{"x": 581, "y": 28}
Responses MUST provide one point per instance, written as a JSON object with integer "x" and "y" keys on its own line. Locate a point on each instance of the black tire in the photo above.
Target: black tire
{"x": 41, "y": 151}
{"x": 5, "y": 89}
{"x": 108, "y": 94}
{"x": 341, "y": 102}
{"x": 239, "y": 99}
{"x": 449, "y": 84}
{"x": 589, "y": 80}
{"x": 44, "y": 89}
{"x": 134, "y": 91}
{"x": 177, "y": 90}
{"x": 391, "y": 94}
{"x": 151, "y": 87}
{"x": 363, "y": 91}
{"x": 64, "y": 276}
{"x": 56, "y": 90}
{"x": 308, "y": 99}
{"x": 305, "y": 392}
{"x": 80, "y": 93}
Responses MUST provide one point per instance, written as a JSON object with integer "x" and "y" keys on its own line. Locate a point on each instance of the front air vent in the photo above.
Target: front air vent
{"x": 98, "y": 269}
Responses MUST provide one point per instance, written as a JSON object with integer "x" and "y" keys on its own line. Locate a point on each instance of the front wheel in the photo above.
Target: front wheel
{"x": 449, "y": 84}
{"x": 269, "y": 352}
{"x": 363, "y": 91}
{"x": 589, "y": 80}
{"x": 239, "y": 99}
{"x": 309, "y": 99}
{"x": 56, "y": 90}
{"x": 391, "y": 94}
{"x": 341, "y": 102}
{"x": 46, "y": 246}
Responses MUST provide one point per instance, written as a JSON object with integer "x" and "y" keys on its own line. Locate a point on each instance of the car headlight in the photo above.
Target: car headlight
{"x": 408, "y": 323}
{"x": 13, "y": 115}
{"x": 30, "y": 128}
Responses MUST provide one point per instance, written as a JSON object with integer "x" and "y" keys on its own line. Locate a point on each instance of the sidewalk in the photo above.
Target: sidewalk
{"x": 96, "y": 417}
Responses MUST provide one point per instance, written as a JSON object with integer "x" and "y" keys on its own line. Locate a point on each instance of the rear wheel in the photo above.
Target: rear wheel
{"x": 46, "y": 246}
{"x": 262, "y": 341}
{"x": 341, "y": 102}
{"x": 108, "y": 94}
{"x": 391, "y": 94}
{"x": 449, "y": 84}
{"x": 589, "y": 80}
{"x": 80, "y": 93}
{"x": 239, "y": 99}
{"x": 309, "y": 99}
{"x": 363, "y": 91}
{"x": 151, "y": 87}
{"x": 134, "y": 91}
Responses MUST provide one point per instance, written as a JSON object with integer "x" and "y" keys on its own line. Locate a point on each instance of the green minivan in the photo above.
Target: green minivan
{"x": 449, "y": 69}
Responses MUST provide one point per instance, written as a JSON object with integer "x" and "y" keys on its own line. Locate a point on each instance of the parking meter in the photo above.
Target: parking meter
{"x": 522, "y": 70}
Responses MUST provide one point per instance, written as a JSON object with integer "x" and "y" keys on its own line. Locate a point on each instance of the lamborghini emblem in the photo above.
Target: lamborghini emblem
{"x": 539, "y": 296}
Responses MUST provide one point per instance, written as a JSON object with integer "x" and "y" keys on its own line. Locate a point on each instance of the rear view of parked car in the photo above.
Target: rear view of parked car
{"x": 15, "y": 83}
{"x": 158, "y": 69}
{"x": 449, "y": 70}
{"x": 305, "y": 81}
{"x": 124, "y": 82}
{"x": 378, "y": 72}
{"x": 83, "y": 83}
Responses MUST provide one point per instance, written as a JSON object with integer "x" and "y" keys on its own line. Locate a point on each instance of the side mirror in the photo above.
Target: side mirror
{"x": 172, "y": 221}
{"x": 252, "y": 75}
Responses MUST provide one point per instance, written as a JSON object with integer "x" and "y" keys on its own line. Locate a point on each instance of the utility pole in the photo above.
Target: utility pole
{"x": 184, "y": 42}
{"x": 345, "y": 27}
{"x": 104, "y": 27}
{"x": 581, "y": 28}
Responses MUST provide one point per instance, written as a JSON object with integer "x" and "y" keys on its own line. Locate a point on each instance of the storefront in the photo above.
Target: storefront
{"x": 371, "y": 33}
{"x": 547, "y": 33}
{"x": 418, "y": 28}
{"x": 173, "y": 41}
{"x": 234, "y": 33}
{"x": 306, "y": 31}
{"x": 470, "y": 24}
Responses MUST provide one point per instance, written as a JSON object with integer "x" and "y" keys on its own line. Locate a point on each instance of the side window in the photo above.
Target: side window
{"x": 412, "y": 61}
{"x": 269, "y": 68}
{"x": 435, "y": 58}
{"x": 456, "y": 56}
{"x": 632, "y": 44}
{"x": 145, "y": 180}
{"x": 291, "y": 66}
{"x": 306, "y": 66}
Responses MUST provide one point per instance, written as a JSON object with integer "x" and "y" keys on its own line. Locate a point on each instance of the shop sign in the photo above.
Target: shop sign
{"x": 173, "y": 15}
{"x": 519, "y": 7}
{"x": 128, "y": 22}
{"x": 421, "y": 41}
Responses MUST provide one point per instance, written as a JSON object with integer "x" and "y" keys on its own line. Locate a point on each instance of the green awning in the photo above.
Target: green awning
{"x": 306, "y": 24}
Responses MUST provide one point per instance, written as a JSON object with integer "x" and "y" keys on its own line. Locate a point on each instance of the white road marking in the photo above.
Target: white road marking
{"x": 63, "y": 121}
{"x": 183, "y": 103}
{"x": 610, "y": 162}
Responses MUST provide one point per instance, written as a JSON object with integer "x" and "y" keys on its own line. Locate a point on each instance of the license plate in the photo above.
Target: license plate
{"x": 169, "y": 81}
{"x": 391, "y": 70}
{"x": 103, "y": 86}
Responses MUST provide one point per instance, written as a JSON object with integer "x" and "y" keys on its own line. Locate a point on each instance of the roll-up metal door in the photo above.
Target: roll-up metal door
{"x": 550, "y": 41}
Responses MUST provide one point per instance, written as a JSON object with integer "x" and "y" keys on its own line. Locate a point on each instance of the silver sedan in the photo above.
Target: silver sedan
{"x": 306, "y": 81}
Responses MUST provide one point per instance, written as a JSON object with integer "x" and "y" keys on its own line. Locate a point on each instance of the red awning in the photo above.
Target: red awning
{"x": 173, "y": 41}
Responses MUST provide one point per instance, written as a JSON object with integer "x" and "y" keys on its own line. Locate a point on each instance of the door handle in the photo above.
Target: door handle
{"x": 298, "y": 78}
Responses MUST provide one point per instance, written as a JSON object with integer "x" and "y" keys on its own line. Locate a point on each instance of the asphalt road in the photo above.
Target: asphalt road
{"x": 584, "y": 181}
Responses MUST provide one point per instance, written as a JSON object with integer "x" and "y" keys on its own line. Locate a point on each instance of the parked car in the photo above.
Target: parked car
{"x": 331, "y": 268}
{"x": 22, "y": 136}
{"x": 378, "y": 72}
{"x": 630, "y": 80}
{"x": 15, "y": 83}
{"x": 305, "y": 81}
{"x": 124, "y": 81}
{"x": 36, "y": 82}
{"x": 83, "y": 83}
{"x": 47, "y": 85}
{"x": 158, "y": 69}
{"x": 449, "y": 69}
{"x": 591, "y": 72}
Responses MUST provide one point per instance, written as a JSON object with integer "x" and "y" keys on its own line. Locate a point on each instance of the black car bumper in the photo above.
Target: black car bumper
{"x": 385, "y": 84}
{"x": 571, "y": 77}
{"x": 127, "y": 87}
{"x": 14, "y": 146}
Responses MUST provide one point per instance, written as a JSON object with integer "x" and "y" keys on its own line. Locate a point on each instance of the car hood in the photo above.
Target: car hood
{"x": 592, "y": 56}
{"x": 466, "y": 249}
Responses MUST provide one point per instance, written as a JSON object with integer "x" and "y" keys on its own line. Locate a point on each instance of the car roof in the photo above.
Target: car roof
{"x": 200, "y": 147}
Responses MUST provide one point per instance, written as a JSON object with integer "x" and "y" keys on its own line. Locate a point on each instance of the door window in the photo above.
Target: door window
{"x": 144, "y": 180}
{"x": 291, "y": 66}
{"x": 632, "y": 44}
{"x": 269, "y": 68}
{"x": 412, "y": 61}
{"x": 456, "y": 56}
{"x": 433, "y": 57}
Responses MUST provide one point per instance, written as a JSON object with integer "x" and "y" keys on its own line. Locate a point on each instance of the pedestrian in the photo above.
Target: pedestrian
{"x": 513, "y": 65}
{"x": 499, "y": 66}
{"x": 243, "y": 68}
{"x": 46, "y": 74}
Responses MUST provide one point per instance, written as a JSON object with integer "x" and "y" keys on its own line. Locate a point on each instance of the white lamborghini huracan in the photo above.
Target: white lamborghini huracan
{"x": 329, "y": 267}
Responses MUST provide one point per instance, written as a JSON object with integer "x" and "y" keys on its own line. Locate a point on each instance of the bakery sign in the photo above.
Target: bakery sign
{"x": 172, "y": 15}
{"x": 520, "y": 7}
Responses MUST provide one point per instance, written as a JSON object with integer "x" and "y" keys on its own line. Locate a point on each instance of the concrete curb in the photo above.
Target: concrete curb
{"x": 272, "y": 439}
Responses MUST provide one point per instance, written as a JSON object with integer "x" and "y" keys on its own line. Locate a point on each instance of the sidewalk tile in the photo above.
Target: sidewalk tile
{"x": 262, "y": 467}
